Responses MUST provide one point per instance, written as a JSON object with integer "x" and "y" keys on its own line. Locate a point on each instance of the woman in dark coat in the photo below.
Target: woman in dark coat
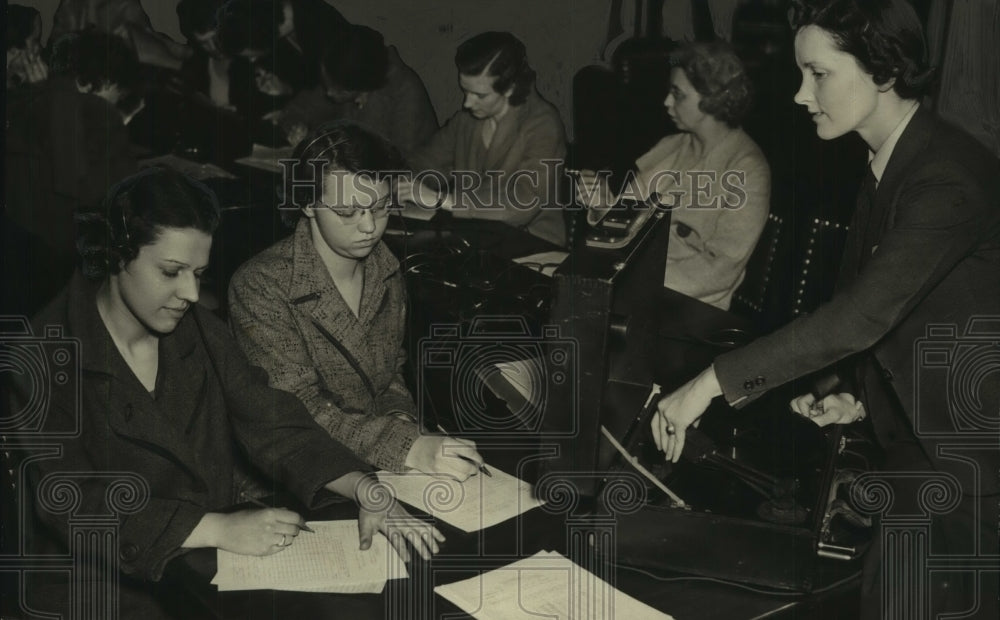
{"x": 164, "y": 402}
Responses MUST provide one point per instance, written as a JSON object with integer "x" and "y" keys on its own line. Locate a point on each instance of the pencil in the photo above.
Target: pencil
{"x": 482, "y": 467}
{"x": 257, "y": 502}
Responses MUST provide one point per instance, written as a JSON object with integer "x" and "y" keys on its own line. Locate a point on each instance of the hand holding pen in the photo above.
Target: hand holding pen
{"x": 479, "y": 463}
{"x": 447, "y": 456}
{"x": 300, "y": 522}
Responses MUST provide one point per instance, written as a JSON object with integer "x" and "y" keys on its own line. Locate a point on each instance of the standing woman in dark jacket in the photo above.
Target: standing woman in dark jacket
{"x": 166, "y": 401}
{"x": 920, "y": 275}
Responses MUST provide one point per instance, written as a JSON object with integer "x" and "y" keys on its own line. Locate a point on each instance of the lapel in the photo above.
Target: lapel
{"x": 506, "y": 135}
{"x": 132, "y": 413}
{"x": 314, "y": 294}
{"x": 911, "y": 142}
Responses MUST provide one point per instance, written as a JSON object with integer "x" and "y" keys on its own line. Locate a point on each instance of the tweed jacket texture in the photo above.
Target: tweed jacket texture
{"x": 290, "y": 319}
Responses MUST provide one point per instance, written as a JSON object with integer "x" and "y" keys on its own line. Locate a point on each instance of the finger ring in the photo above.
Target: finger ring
{"x": 671, "y": 430}
{"x": 283, "y": 539}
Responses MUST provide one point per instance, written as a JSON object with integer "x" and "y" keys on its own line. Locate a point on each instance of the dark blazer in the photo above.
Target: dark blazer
{"x": 180, "y": 445}
{"x": 930, "y": 266}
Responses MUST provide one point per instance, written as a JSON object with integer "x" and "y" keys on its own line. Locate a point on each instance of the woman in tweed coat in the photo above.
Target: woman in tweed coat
{"x": 324, "y": 311}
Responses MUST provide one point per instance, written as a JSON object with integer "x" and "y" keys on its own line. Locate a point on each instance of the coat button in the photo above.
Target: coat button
{"x": 887, "y": 374}
{"x": 128, "y": 412}
{"x": 748, "y": 385}
{"x": 128, "y": 552}
{"x": 759, "y": 381}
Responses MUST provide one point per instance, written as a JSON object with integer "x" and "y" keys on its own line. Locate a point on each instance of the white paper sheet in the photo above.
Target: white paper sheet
{"x": 327, "y": 560}
{"x": 478, "y": 503}
{"x": 546, "y": 585}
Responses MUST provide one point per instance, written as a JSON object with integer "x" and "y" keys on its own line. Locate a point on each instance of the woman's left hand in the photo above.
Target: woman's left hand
{"x": 379, "y": 512}
{"x": 840, "y": 408}
{"x": 679, "y": 410}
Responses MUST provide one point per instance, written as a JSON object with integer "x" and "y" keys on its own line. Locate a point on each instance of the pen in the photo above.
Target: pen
{"x": 257, "y": 502}
{"x": 482, "y": 468}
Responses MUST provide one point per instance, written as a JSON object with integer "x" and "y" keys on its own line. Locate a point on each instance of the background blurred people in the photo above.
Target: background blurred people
{"x": 504, "y": 128}
{"x": 712, "y": 176}
{"x": 25, "y": 64}
{"x": 125, "y": 19}
{"x": 364, "y": 80}
{"x": 66, "y": 140}
{"x": 257, "y": 28}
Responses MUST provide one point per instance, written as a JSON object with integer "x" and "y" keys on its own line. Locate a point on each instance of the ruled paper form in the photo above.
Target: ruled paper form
{"x": 328, "y": 560}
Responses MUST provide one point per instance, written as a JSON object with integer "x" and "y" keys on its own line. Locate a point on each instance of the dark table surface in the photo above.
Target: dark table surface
{"x": 687, "y": 337}
{"x": 690, "y": 335}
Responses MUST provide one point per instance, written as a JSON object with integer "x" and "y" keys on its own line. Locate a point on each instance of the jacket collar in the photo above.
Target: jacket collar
{"x": 313, "y": 289}
{"x": 913, "y": 140}
{"x": 508, "y": 129}
{"x": 180, "y": 384}
{"x": 97, "y": 349}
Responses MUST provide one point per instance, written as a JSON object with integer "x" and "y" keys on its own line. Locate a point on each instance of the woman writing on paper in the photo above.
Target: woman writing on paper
{"x": 324, "y": 311}
{"x": 166, "y": 402}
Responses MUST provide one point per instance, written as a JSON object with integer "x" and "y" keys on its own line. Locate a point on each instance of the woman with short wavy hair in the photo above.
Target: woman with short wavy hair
{"x": 711, "y": 175}
{"x": 164, "y": 399}
{"x": 919, "y": 276}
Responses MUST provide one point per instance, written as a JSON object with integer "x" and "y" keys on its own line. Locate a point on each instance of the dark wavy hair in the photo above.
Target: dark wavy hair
{"x": 337, "y": 145}
{"x": 358, "y": 60}
{"x": 717, "y": 73}
{"x": 504, "y": 57}
{"x": 135, "y": 212}
{"x": 885, "y": 36}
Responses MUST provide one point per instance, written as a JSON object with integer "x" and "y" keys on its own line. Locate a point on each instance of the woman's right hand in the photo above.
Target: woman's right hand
{"x": 247, "y": 532}
{"x": 259, "y": 532}
{"x": 445, "y": 456}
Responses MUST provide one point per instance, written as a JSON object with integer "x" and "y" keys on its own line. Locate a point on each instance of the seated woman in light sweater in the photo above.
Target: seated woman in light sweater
{"x": 712, "y": 176}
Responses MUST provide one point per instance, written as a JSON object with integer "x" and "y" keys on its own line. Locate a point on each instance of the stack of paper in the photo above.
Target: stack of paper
{"x": 478, "y": 503}
{"x": 328, "y": 560}
{"x": 546, "y": 585}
